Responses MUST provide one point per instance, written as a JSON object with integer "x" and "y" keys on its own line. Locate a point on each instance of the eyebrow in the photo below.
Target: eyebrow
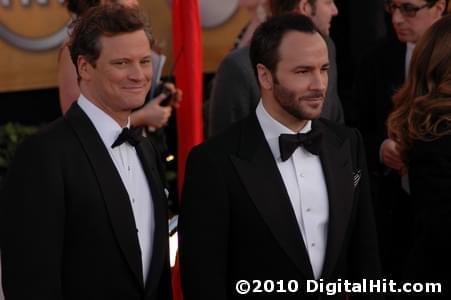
{"x": 126, "y": 58}
{"x": 308, "y": 67}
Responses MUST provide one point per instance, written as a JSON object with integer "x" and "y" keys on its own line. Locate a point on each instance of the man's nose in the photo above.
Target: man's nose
{"x": 137, "y": 72}
{"x": 319, "y": 81}
{"x": 334, "y": 10}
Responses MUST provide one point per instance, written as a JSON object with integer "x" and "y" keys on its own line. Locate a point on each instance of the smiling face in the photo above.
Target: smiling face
{"x": 295, "y": 91}
{"x": 410, "y": 29}
{"x": 120, "y": 78}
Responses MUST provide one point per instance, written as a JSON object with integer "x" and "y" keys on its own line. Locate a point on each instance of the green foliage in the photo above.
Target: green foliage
{"x": 11, "y": 135}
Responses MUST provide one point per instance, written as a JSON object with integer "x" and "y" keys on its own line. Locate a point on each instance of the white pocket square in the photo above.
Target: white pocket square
{"x": 356, "y": 177}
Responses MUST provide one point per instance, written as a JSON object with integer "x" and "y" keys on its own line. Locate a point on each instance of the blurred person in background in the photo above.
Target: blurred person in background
{"x": 421, "y": 127}
{"x": 258, "y": 12}
{"x": 382, "y": 72}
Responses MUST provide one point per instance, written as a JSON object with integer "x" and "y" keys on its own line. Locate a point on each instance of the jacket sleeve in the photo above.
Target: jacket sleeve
{"x": 32, "y": 224}
{"x": 203, "y": 230}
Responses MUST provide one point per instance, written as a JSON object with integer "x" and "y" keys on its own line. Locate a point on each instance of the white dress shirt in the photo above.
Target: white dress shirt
{"x": 304, "y": 180}
{"x": 409, "y": 51}
{"x": 132, "y": 174}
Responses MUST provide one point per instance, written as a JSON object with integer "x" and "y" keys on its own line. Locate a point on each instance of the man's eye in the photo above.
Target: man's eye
{"x": 409, "y": 8}
{"x": 146, "y": 61}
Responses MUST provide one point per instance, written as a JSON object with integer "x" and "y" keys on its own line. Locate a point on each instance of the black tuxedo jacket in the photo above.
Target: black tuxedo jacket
{"x": 237, "y": 221}
{"x": 67, "y": 227}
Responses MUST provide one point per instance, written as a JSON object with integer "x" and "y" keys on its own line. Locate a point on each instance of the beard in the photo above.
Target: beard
{"x": 298, "y": 106}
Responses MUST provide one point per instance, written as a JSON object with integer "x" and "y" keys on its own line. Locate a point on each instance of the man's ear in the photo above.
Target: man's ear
{"x": 84, "y": 68}
{"x": 264, "y": 77}
{"x": 304, "y": 8}
{"x": 440, "y": 7}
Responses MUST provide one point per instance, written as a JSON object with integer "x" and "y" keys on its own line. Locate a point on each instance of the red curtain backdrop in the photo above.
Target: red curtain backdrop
{"x": 187, "y": 52}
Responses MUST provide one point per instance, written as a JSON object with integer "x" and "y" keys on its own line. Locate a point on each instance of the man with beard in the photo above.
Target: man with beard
{"x": 235, "y": 92}
{"x": 281, "y": 195}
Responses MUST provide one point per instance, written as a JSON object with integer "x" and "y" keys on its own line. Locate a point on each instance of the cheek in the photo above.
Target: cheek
{"x": 148, "y": 73}
{"x": 325, "y": 78}
{"x": 414, "y": 29}
{"x": 421, "y": 27}
{"x": 323, "y": 13}
{"x": 115, "y": 78}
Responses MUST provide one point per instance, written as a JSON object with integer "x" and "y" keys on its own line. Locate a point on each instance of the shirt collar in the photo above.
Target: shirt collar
{"x": 105, "y": 125}
{"x": 272, "y": 129}
{"x": 410, "y": 46}
{"x": 409, "y": 51}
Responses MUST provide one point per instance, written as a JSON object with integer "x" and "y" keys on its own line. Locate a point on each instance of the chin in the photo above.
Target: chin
{"x": 405, "y": 38}
{"x": 313, "y": 114}
{"x": 136, "y": 103}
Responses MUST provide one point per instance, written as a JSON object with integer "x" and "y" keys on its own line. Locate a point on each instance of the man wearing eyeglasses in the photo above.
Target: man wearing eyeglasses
{"x": 382, "y": 72}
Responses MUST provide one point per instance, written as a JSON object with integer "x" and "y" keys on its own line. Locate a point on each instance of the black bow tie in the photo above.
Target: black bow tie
{"x": 127, "y": 135}
{"x": 288, "y": 143}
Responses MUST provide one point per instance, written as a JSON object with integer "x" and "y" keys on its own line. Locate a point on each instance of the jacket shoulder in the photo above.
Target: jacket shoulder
{"x": 52, "y": 135}
{"x": 341, "y": 131}
{"x": 225, "y": 142}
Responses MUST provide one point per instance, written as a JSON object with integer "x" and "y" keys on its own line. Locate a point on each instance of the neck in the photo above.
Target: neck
{"x": 120, "y": 117}
{"x": 282, "y": 116}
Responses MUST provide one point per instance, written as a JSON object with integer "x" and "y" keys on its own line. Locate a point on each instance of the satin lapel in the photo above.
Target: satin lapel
{"x": 111, "y": 186}
{"x": 148, "y": 159}
{"x": 259, "y": 173}
{"x": 336, "y": 161}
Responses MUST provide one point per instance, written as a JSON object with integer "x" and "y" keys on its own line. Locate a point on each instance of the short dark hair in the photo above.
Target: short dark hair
{"x": 433, "y": 2}
{"x": 281, "y": 7}
{"x": 78, "y": 7}
{"x": 266, "y": 40}
{"x": 104, "y": 20}
{"x": 446, "y": 11}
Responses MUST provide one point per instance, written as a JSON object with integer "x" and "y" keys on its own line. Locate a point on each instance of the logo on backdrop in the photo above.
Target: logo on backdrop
{"x": 34, "y": 44}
